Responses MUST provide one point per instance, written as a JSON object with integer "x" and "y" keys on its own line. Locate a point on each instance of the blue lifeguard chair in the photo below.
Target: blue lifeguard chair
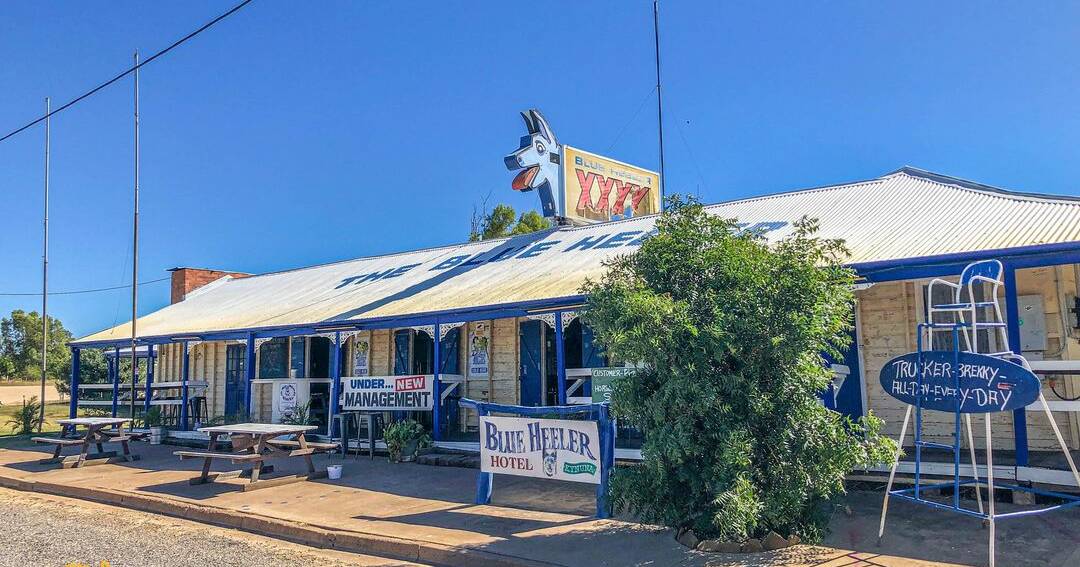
{"x": 972, "y": 308}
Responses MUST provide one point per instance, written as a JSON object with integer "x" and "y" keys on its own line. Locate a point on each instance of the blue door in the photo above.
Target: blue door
{"x": 235, "y": 379}
{"x": 849, "y": 398}
{"x": 531, "y": 355}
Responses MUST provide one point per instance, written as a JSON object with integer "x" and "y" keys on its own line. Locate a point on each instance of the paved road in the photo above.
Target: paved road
{"x": 47, "y": 531}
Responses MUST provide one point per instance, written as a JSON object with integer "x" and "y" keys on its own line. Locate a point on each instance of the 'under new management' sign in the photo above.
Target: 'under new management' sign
{"x": 544, "y": 448}
{"x": 388, "y": 393}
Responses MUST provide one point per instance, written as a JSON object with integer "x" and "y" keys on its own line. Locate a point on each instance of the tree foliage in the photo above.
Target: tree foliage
{"x": 729, "y": 334}
{"x": 20, "y": 346}
{"x": 503, "y": 221}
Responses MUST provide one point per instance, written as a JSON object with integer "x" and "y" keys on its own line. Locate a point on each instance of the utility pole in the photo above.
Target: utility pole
{"x": 134, "y": 255}
{"x": 45, "y": 279}
{"x": 659, "y": 98}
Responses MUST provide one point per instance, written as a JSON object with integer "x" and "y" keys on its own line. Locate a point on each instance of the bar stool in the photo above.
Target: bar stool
{"x": 343, "y": 421}
{"x": 197, "y": 409}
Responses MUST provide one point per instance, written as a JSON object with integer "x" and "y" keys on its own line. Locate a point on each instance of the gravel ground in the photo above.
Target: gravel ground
{"x": 43, "y": 530}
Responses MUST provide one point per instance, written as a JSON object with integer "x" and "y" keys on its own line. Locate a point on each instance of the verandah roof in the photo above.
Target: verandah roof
{"x": 906, "y": 214}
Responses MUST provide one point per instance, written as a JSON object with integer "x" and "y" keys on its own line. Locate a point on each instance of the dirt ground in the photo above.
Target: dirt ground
{"x": 51, "y": 530}
{"x": 15, "y": 393}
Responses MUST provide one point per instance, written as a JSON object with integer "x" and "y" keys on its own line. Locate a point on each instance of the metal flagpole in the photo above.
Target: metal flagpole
{"x": 135, "y": 251}
{"x": 45, "y": 278}
{"x": 659, "y": 97}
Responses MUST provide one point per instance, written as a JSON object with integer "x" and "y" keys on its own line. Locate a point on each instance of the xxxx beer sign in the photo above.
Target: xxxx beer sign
{"x": 598, "y": 189}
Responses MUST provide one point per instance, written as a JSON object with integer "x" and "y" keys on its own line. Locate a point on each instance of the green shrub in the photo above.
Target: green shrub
{"x": 730, "y": 333}
{"x": 401, "y": 434}
{"x": 27, "y": 417}
{"x": 153, "y": 417}
{"x": 300, "y": 415}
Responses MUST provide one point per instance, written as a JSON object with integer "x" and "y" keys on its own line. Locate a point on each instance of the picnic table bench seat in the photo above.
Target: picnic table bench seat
{"x": 234, "y": 457}
{"x": 63, "y": 441}
{"x": 293, "y": 444}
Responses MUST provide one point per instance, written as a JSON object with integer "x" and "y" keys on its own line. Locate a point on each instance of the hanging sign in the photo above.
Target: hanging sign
{"x": 986, "y": 384}
{"x": 479, "y": 351}
{"x": 602, "y": 379}
{"x": 543, "y": 448}
{"x": 387, "y": 393}
{"x": 361, "y": 350}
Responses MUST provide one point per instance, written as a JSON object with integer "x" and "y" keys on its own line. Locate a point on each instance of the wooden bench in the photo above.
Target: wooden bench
{"x": 208, "y": 457}
{"x": 63, "y": 442}
{"x": 319, "y": 447}
{"x": 234, "y": 457}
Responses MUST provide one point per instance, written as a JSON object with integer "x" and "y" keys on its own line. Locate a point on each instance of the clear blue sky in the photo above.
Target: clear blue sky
{"x": 298, "y": 133}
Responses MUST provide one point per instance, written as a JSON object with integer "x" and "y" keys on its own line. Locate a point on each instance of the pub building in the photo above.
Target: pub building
{"x": 497, "y": 320}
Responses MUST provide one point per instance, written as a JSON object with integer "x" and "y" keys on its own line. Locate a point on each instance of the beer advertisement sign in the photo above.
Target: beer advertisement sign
{"x": 598, "y": 189}
{"x": 542, "y": 448}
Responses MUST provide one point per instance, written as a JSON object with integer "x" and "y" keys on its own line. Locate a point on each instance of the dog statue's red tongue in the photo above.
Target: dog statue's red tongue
{"x": 523, "y": 180}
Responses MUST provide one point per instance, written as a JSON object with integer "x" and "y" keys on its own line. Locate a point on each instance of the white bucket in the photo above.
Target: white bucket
{"x": 333, "y": 472}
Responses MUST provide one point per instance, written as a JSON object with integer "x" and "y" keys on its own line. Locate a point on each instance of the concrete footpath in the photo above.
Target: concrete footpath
{"x": 425, "y": 514}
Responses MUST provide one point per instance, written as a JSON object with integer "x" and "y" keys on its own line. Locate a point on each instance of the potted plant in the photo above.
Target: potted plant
{"x": 404, "y": 438}
{"x": 152, "y": 419}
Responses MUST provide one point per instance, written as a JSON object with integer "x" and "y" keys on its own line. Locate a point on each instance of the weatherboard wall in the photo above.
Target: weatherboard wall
{"x": 889, "y": 313}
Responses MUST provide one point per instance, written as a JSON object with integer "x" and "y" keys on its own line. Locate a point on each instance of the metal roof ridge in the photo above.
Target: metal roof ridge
{"x": 966, "y": 184}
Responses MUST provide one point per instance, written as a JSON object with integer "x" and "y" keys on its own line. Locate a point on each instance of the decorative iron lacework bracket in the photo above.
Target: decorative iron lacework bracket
{"x": 566, "y": 316}
{"x": 429, "y": 329}
{"x": 548, "y": 318}
{"x": 445, "y": 328}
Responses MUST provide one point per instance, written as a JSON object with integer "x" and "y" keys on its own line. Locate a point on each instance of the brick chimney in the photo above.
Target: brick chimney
{"x": 187, "y": 280}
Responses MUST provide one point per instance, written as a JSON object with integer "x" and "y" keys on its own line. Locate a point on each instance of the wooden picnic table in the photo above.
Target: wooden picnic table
{"x": 252, "y": 443}
{"x": 99, "y": 430}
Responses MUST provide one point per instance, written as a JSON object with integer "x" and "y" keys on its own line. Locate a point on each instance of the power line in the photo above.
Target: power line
{"x": 131, "y": 70}
{"x": 80, "y": 291}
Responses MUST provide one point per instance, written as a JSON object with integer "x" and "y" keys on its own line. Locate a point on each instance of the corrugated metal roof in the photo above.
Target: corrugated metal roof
{"x": 906, "y": 214}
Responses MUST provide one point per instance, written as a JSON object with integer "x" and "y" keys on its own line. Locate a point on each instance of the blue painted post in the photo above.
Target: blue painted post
{"x": 484, "y": 480}
{"x": 560, "y": 359}
{"x": 249, "y": 369}
{"x": 184, "y": 389}
{"x": 114, "y": 368}
{"x": 1012, "y": 316}
{"x": 606, "y": 428}
{"x": 436, "y": 387}
{"x": 73, "y": 408}
{"x": 149, "y": 377}
{"x": 335, "y": 387}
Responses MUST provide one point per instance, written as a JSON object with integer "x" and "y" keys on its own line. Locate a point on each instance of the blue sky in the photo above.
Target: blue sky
{"x": 299, "y": 133}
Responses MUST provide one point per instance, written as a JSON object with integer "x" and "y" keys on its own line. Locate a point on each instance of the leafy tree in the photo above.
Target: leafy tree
{"x": 20, "y": 346}
{"x": 500, "y": 223}
{"x": 729, "y": 334}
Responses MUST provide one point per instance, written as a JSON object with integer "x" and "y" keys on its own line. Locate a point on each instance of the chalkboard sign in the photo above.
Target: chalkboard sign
{"x": 986, "y": 384}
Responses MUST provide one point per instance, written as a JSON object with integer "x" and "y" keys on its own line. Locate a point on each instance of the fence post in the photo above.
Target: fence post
{"x": 607, "y": 461}
{"x": 484, "y": 480}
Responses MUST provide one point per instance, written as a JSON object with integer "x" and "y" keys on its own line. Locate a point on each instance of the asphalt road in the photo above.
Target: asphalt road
{"x": 43, "y": 530}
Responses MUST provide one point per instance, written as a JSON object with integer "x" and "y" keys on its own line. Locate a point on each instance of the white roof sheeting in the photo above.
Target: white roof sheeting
{"x": 906, "y": 214}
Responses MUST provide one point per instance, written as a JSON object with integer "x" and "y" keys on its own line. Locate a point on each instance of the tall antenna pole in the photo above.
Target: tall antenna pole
{"x": 659, "y": 97}
{"x": 45, "y": 279}
{"x": 135, "y": 253}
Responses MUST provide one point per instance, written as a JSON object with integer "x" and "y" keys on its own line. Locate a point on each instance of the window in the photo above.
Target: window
{"x": 298, "y": 365}
{"x": 273, "y": 358}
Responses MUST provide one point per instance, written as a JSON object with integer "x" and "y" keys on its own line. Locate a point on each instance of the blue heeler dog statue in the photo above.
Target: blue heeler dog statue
{"x": 538, "y": 158}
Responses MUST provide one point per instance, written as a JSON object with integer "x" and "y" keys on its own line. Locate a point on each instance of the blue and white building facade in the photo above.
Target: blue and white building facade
{"x": 497, "y": 320}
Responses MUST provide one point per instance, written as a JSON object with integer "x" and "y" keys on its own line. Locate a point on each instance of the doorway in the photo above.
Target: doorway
{"x": 235, "y": 379}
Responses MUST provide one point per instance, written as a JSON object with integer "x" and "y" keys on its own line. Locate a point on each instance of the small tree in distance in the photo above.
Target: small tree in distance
{"x": 729, "y": 333}
{"x": 503, "y": 221}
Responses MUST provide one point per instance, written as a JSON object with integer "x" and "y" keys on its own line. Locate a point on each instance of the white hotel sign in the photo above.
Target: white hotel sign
{"x": 543, "y": 448}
